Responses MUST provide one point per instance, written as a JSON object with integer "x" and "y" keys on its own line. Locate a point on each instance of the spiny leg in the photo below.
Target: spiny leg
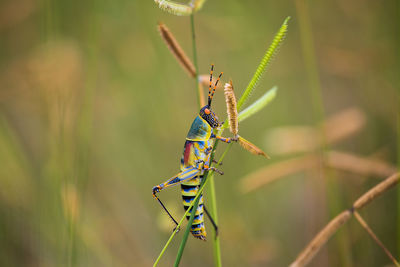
{"x": 212, "y": 220}
{"x": 224, "y": 139}
{"x": 216, "y": 161}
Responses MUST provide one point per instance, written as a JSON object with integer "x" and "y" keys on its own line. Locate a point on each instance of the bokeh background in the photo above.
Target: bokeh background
{"x": 94, "y": 111}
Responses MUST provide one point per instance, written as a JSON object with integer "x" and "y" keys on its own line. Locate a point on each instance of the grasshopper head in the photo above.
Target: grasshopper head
{"x": 209, "y": 116}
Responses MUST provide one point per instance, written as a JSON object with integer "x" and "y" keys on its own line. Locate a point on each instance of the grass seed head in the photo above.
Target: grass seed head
{"x": 231, "y": 108}
{"x": 176, "y": 49}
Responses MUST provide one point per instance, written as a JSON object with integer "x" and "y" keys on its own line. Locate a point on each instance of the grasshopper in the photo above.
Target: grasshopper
{"x": 195, "y": 161}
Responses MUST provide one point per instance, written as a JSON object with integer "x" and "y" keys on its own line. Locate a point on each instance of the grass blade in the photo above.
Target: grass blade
{"x": 259, "y": 104}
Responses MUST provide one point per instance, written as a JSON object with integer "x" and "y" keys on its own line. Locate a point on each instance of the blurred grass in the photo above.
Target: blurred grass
{"x": 94, "y": 111}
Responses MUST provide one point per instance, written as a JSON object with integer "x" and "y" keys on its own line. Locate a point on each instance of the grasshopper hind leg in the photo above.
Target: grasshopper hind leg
{"x": 212, "y": 220}
{"x": 185, "y": 175}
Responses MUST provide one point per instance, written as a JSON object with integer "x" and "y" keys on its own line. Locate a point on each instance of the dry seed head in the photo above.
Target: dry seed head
{"x": 176, "y": 49}
{"x": 174, "y": 8}
{"x": 231, "y": 108}
{"x": 251, "y": 147}
{"x": 376, "y": 191}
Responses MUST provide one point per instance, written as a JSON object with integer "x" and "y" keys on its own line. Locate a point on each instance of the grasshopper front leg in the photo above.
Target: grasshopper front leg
{"x": 224, "y": 139}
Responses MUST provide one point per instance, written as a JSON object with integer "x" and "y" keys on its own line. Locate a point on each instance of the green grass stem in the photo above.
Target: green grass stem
{"x": 213, "y": 205}
{"x": 196, "y": 80}
{"x": 330, "y": 184}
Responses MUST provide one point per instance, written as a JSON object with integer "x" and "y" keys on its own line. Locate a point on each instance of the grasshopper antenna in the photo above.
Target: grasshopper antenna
{"x": 213, "y": 91}
{"x": 209, "y": 88}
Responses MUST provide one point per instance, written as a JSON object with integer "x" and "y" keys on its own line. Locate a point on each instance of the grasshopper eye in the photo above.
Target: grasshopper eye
{"x": 207, "y": 111}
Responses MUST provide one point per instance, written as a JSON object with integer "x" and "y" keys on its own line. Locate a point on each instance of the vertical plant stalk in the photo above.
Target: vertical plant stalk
{"x": 187, "y": 230}
{"x": 334, "y": 205}
{"x": 213, "y": 205}
{"x": 398, "y": 167}
{"x": 212, "y": 196}
{"x": 216, "y": 244}
{"x": 196, "y": 66}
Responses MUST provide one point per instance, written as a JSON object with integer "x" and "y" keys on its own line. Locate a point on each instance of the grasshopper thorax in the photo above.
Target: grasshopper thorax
{"x": 209, "y": 116}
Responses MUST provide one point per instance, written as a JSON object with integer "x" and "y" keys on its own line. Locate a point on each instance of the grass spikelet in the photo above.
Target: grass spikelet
{"x": 251, "y": 147}
{"x": 376, "y": 191}
{"x": 320, "y": 239}
{"x": 174, "y": 8}
{"x": 176, "y": 49}
{"x": 231, "y": 108}
{"x": 374, "y": 237}
{"x": 269, "y": 54}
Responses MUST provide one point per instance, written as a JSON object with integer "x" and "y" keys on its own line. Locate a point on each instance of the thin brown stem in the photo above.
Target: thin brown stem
{"x": 323, "y": 236}
{"x": 374, "y": 237}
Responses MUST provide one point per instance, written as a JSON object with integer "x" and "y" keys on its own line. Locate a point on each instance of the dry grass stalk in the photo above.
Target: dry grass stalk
{"x": 231, "y": 108}
{"x": 251, "y": 147}
{"x": 275, "y": 171}
{"x": 176, "y": 49}
{"x": 201, "y": 95}
{"x": 333, "y": 159}
{"x": 320, "y": 239}
{"x": 359, "y": 165}
{"x": 376, "y": 191}
{"x": 295, "y": 139}
{"x": 343, "y": 125}
{"x": 374, "y": 237}
{"x": 313, "y": 247}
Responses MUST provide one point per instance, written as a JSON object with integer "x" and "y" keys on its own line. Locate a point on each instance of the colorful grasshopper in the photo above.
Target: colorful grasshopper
{"x": 195, "y": 161}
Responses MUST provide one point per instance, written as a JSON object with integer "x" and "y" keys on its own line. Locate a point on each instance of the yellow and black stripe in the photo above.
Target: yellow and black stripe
{"x": 189, "y": 190}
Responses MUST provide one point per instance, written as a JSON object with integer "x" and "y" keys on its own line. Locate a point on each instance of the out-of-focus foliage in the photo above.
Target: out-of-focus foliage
{"x": 94, "y": 111}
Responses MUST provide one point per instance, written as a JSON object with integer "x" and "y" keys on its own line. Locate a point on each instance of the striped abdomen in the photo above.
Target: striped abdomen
{"x": 189, "y": 190}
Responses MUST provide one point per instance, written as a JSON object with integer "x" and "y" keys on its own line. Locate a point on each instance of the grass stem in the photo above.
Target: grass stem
{"x": 329, "y": 185}
{"x": 197, "y": 87}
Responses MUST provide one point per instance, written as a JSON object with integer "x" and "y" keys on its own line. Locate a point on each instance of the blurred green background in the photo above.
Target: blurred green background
{"x": 95, "y": 110}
